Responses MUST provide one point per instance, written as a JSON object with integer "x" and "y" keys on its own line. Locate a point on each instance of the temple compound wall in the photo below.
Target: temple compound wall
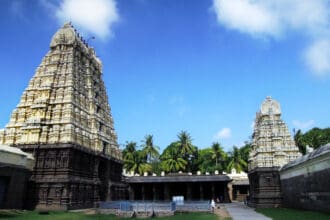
{"x": 305, "y": 181}
{"x": 272, "y": 148}
{"x": 64, "y": 120}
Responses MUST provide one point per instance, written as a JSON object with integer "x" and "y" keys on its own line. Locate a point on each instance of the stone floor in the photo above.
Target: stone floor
{"x": 239, "y": 211}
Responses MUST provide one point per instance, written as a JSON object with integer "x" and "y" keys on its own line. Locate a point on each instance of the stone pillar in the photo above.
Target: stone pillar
{"x": 166, "y": 192}
{"x": 201, "y": 191}
{"x": 143, "y": 192}
{"x": 154, "y": 192}
{"x": 230, "y": 192}
{"x": 189, "y": 192}
{"x": 131, "y": 195}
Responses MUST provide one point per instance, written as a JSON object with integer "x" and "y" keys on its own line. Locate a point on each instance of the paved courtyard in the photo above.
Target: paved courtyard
{"x": 239, "y": 211}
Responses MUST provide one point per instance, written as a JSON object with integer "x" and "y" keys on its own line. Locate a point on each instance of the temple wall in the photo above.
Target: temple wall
{"x": 305, "y": 183}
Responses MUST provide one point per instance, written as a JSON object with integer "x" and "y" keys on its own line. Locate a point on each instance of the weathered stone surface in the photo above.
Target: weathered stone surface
{"x": 272, "y": 147}
{"x": 305, "y": 181}
{"x": 67, "y": 176}
{"x": 265, "y": 187}
{"x": 272, "y": 144}
{"x": 64, "y": 120}
{"x": 65, "y": 101}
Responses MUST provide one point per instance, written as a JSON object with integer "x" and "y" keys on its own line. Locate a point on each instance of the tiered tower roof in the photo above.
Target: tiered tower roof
{"x": 273, "y": 145}
{"x": 66, "y": 100}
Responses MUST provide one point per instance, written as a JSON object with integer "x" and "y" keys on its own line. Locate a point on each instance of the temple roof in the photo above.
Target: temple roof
{"x": 180, "y": 178}
{"x": 314, "y": 154}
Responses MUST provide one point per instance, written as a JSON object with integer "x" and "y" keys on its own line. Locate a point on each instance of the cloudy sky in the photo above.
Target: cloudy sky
{"x": 201, "y": 66}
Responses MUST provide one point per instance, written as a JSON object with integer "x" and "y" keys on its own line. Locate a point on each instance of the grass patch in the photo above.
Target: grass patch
{"x": 292, "y": 214}
{"x": 191, "y": 216}
{"x": 27, "y": 215}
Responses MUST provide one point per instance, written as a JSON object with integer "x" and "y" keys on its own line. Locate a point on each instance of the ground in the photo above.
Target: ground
{"x": 292, "y": 214}
{"x": 26, "y": 215}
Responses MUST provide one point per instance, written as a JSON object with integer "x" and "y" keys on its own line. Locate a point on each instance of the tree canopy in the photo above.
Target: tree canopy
{"x": 314, "y": 138}
{"x": 183, "y": 155}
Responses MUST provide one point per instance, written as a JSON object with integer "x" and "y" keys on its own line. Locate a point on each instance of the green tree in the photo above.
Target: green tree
{"x": 314, "y": 138}
{"x": 135, "y": 160}
{"x": 236, "y": 161}
{"x": 206, "y": 162}
{"x": 150, "y": 150}
{"x": 128, "y": 152}
{"x": 174, "y": 165}
{"x": 217, "y": 152}
{"x": 317, "y": 137}
{"x": 300, "y": 141}
{"x": 187, "y": 150}
{"x": 171, "y": 159}
{"x": 185, "y": 144}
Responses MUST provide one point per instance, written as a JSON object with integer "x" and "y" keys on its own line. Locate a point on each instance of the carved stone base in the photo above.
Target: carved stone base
{"x": 67, "y": 176}
{"x": 265, "y": 188}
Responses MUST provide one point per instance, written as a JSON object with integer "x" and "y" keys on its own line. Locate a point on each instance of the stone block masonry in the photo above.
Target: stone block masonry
{"x": 64, "y": 120}
{"x": 305, "y": 182}
{"x": 272, "y": 147}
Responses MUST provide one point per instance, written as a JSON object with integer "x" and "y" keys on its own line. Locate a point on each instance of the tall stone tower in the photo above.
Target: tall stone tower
{"x": 272, "y": 148}
{"x": 64, "y": 119}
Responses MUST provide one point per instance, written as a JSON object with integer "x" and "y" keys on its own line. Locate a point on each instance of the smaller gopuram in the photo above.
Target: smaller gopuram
{"x": 272, "y": 148}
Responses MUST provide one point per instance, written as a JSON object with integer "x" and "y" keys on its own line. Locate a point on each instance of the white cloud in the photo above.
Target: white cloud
{"x": 275, "y": 18}
{"x": 303, "y": 125}
{"x": 224, "y": 133}
{"x": 93, "y": 16}
{"x": 317, "y": 57}
{"x": 246, "y": 16}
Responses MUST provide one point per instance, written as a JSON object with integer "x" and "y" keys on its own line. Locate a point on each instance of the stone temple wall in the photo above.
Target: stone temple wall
{"x": 305, "y": 181}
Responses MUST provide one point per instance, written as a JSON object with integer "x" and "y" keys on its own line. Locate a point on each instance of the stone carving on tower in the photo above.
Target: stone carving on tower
{"x": 66, "y": 100}
{"x": 64, "y": 119}
{"x": 273, "y": 145}
{"x": 272, "y": 148}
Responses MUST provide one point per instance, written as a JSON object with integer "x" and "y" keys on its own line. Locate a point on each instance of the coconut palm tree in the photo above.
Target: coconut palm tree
{"x": 217, "y": 152}
{"x": 129, "y": 150}
{"x": 135, "y": 160}
{"x": 185, "y": 144}
{"x": 137, "y": 163}
{"x": 171, "y": 161}
{"x": 174, "y": 165}
{"x": 236, "y": 161}
{"x": 150, "y": 150}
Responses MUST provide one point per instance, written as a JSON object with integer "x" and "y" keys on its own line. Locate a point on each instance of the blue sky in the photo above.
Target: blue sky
{"x": 200, "y": 66}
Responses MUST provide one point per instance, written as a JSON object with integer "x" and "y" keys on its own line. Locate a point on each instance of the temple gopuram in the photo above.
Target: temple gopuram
{"x": 272, "y": 148}
{"x": 64, "y": 120}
